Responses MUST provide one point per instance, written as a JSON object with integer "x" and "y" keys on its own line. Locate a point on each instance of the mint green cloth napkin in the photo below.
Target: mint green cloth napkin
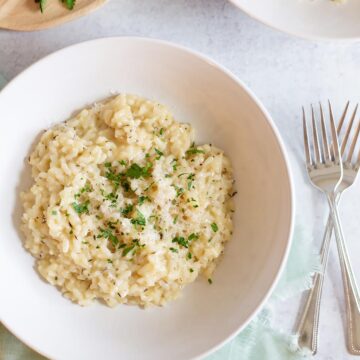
{"x": 260, "y": 340}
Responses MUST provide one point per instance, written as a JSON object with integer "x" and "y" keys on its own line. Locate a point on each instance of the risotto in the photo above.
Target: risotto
{"x": 125, "y": 208}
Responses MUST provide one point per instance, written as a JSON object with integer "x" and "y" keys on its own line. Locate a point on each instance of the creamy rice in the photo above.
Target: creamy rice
{"x": 125, "y": 208}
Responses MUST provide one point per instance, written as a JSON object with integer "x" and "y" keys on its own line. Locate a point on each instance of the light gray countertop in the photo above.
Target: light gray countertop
{"x": 284, "y": 72}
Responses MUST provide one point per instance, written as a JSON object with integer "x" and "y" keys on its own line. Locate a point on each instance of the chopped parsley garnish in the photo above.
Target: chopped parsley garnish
{"x": 108, "y": 234}
{"x": 122, "y": 162}
{"x": 139, "y": 220}
{"x": 174, "y": 164}
{"x": 86, "y": 188}
{"x": 185, "y": 242}
{"x": 68, "y": 3}
{"x": 210, "y": 281}
{"x": 142, "y": 199}
{"x": 109, "y": 261}
{"x": 113, "y": 177}
{"x": 181, "y": 241}
{"x": 214, "y": 227}
{"x": 190, "y": 179}
{"x": 54, "y": 212}
{"x": 81, "y": 208}
{"x": 175, "y": 219}
{"x": 193, "y": 150}
{"x": 127, "y": 209}
{"x": 135, "y": 245}
{"x": 128, "y": 249}
{"x": 193, "y": 237}
{"x": 107, "y": 164}
{"x": 161, "y": 131}
{"x": 179, "y": 190}
{"x": 174, "y": 250}
{"x": 112, "y": 197}
{"x": 160, "y": 154}
{"x": 189, "y": 256}
{"x": 191, "y": 270}
{"x": 135, "y": 171}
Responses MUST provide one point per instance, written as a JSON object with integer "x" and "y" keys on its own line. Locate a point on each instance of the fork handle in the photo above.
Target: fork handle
{"x": 308, "y": 327}
{"x": 350, "y": 287}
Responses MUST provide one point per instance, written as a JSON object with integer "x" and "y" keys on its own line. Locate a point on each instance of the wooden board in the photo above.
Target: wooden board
{"x": 25, "y": 15}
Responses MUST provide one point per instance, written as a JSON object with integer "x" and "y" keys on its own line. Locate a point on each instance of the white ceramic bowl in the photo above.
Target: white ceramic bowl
{"x": 223, "y": 112}
{"x": 313, "y": 19}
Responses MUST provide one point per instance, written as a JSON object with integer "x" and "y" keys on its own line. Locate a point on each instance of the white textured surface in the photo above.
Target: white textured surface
{"x": 284, "y": 72}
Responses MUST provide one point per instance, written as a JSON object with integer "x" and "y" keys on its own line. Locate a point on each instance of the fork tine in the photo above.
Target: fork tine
{"x": 341, "y": 121}
{"x": 306, "y": 140}
{"x": 348, "y": 130}
{"x": 335, "y": 141}
{"x": 315, "y": 136}
{"x": 326, "y": 150}
{"x": 353, "y": 143}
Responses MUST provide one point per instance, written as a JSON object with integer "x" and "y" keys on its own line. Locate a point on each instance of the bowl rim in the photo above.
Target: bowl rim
{"x": 311, "y": 37}
{"x": 270, "y": 122}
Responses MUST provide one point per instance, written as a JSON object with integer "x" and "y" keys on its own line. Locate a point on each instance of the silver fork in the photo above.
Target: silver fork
{"x": 308, "y": 326}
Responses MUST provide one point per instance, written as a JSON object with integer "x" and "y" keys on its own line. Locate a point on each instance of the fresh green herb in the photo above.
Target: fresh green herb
{"x": 107, "y": 164}
{"x": 86, "y": 188}
{"x": 116, "y": 179}
{"x": 135, "y": 171}
{"x": 68, "y": 3}
{"x": 81, "y": 208}
{"x": 112, "y": 197}
{"x": 54, "y": 212}
{"x": 109, "y": 261}
{"x": 139, "y": 220}
{"x": 161, "y": 131}
{"x": 214, "y": 227}
{"x": 122, "y": 162}
{"x": 160, "y": 154}
{"x": 193, "y": 150}
{"x": 179, "y": 190}
{"x": 167, "y": 175}
{"x": 147, "y": 155}
{"x": 174, "y": 250}
{"x": 181, "y": 241}
{"x": 108, "y": 234}
{"x": 135, "y": 244}
{"x": 175, "y": 219}
{"x": 142, "y": 199}
{"x": 174, "y": 164}
{"x": 128, "y": 249}
{"x": 189, "y": 255}
{"x": 127, "y": 209}
{"x": 190, "y": 179}
{"x": 191, "y": 270}
{"x": 42, "y": 4}
{"x": 210, "y": 281}
{"x": 193, "y": 237}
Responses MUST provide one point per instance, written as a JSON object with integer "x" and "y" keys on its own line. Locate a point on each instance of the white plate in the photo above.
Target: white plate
{"x": 223, "y": 112}
{"x": 314, "y": 19}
